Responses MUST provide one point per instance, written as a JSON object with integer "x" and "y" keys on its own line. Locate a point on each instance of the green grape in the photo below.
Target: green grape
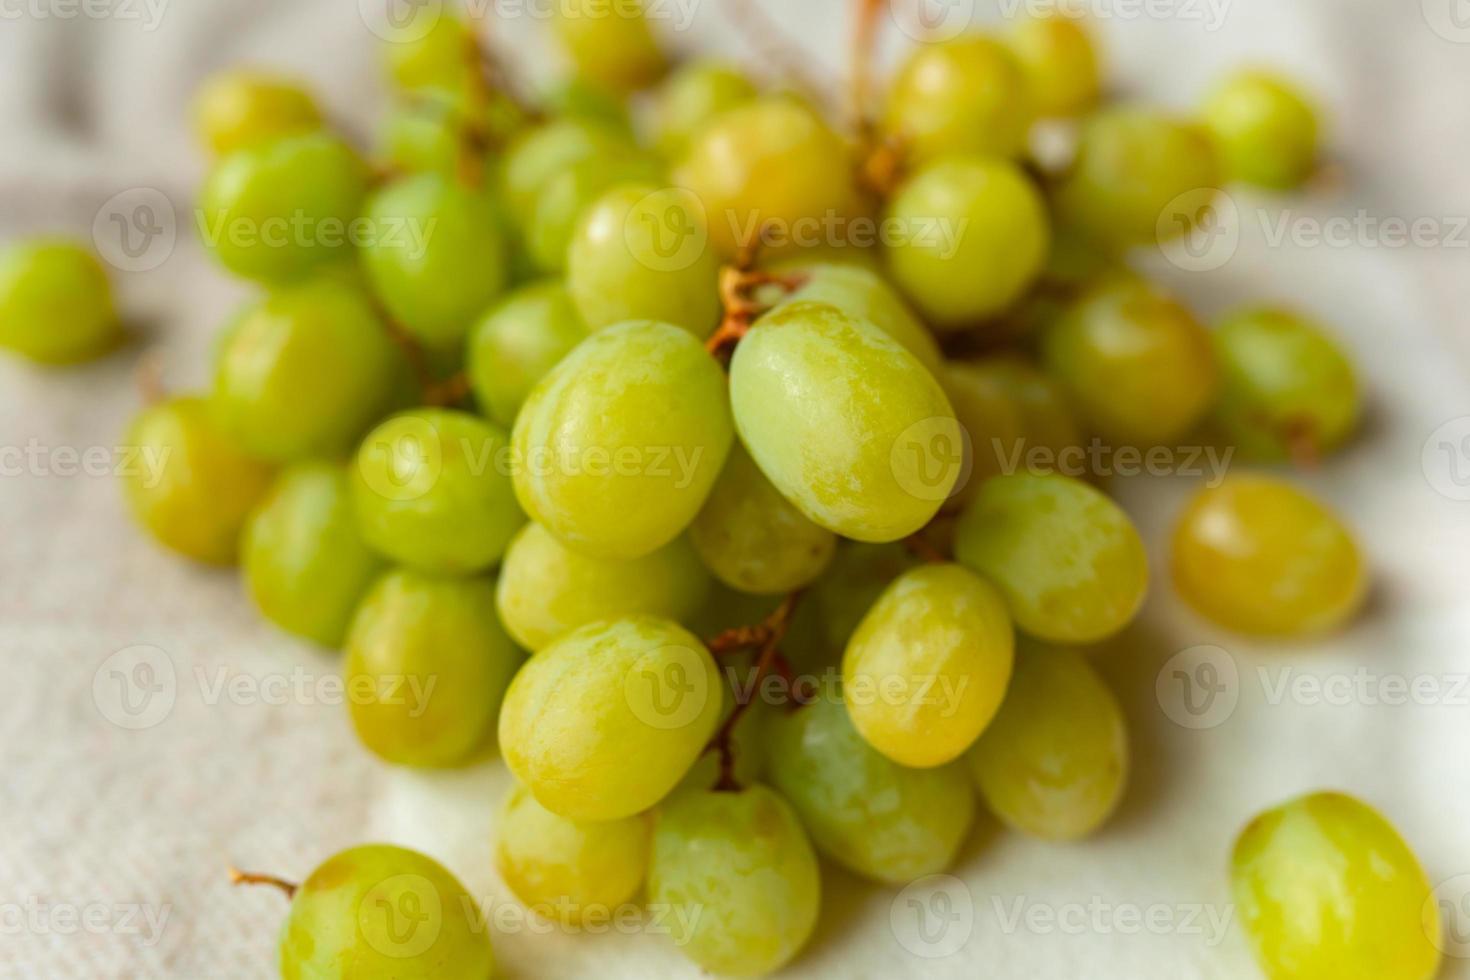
{"x": 581, "y": 98}
{"x": 605, "y": 721}
{"x": 966, "y": 95}
{"x": 1075, "y": 260}
{"x": 431, "y": 490}
{"x": 739, "y": 877}
{"x": 1059, "y": 60}
{"x": 1140, "y": 176}
{"x": 1138, "y": 366}
{"x": 436, "y": 257}
{"x": 567, "y": 196}
{"x": 1287, "y": 388}
{"x": 566, "y": 870}
{"x": 693, "y": 95}
{"x": 618, "y": 446}
{"x": 1048, "y": 424}
{"x": 1069, "y": 561}
{"x": 546, "y": 589}
{"x": 977, "y": 239}
{"x": 753, "y": 538}
{"x": 305, "y": 564}
{"x": 856, "y": 578}
{"x": 842, "y": 420}
{"x": 518, "y": 342}
{"x": 880, "y": 819}
{"x": 237, "y": 109}
{"x": 990, "y": 417}
{"x": 1328, "y": 890}
{"x": 277, "y": 211}
{"x": 641, "y": 252}
{"x": 440, "y": 59}
{"x": 188, "y": 485}
{"x": 541, "y": 153}
{"x": 611, "y": 42}
{"x": 1054, "y": 762}
{"x": 55, "y": 302}
{"x": 928, "y": 666}
{"x": 1265, "y": 129}
{"x": 378, "y": 912}
{"x": 771, "y": 163}
{"x": 428, "y": 133}
{"x": 863, "y": 294}
{"x": 427, "y": 666}
{"x": 305, "y": 372}
{"x": 1257, "y": 555}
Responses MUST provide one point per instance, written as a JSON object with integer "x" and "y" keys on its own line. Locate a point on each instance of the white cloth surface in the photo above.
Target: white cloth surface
{"x": 131, "y": 830}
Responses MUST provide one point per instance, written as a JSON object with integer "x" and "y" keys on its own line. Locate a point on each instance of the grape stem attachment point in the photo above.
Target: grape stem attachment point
{"x": 238, "y": 877}
{"x": 739, "y": 285}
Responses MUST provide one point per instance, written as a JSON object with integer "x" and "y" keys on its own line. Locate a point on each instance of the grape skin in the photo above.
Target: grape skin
{"x": 1266, "y": 130}
{"x": 56, "y": 303}
{"x": 542, "y": 152}
{"x": 518, "y": 342}
{"x": 991, "y": 419}
{"x": 611, "y": 44}
{"x": 966, "y": 95}
{"x": 565, "y": 198}
{"x": 1049, "y": 427}
{"x": 1060, "y": 63}
{"x": 438, "y": 61}
{"x": 858, "y": 575}
{"x": 692, "y": 96}
{"x": 236, "y": 109}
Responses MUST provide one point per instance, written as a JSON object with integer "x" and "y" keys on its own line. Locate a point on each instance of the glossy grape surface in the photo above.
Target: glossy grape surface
{"x": 863, "y": 294}
{"x": 564, "y": 200}
{"x": 518, "y": 342}
{"x": 692, "y": 96}
{"x": 858, "y": 575}
{"x": 966, "y": 95}
{"x": 237, "y": 109}
{"x": 1059, "y": 60}
{"x": 1266, "y": 130}
{"x": 610, "y": 43}
{"x": 56, "y": 303}
{"x": 541, "y": 153}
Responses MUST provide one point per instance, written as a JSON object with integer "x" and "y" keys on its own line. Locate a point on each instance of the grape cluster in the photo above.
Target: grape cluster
{"x": 580, "y": 432}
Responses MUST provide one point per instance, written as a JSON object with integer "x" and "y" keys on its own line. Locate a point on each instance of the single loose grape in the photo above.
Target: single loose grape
{"x": 1265, "y": 129}
{"x": 427, "y": 666}
{"x": 56, "y": 304}
{"x": 692, "y": 96}
{"x": 1054, "y": 762}
{"x": 1070, "y": 562}
{"x": 547, "y": 590}
{"x": 882, "y": 820}
{"x": 305, "y": 372}
{"x": 276, "y": 211}
{"x": 977, "y": 238}
{"x": 928, "y": 666}
{"x": 857, "y": 576}
{"x": 305, "y": 564}
{"x": 610, "y": 41}
{"x": 1060, "y": 62}
{"x": 567, "y": 870}
{"x": 605, "y": 721}
{"x": 566, "y": 197}
{"x": 1328, "y": 890}
{"x": 432, "y": 490}
{"x": 1257, "y": 555}
{"x": 1137, "y": 365}
{"x": 991, "y": 419}
{"x": 739, "y": 876}
{"x": 966, "y": 95}
{"x": 543, "y": 152}
{"x": 844, "y": 422}
{"x": 188, "y": 485}
{"x": 641, "y": 252}
{"x": 521, "y": 339}
{"x": 1287, "y": 390}
{"x": 236, "y": 109}
{"x": 618, "y": 446}
{"x": 378, "y": 912}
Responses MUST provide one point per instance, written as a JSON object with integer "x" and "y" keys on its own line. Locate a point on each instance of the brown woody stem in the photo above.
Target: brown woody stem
{"x": 238, "y": 877}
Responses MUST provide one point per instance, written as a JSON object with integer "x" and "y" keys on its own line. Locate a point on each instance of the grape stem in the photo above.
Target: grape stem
{"x": 738, "y": 286}
{"x": 238, "y": 877}
{"x": 149, "y": 378}
{"x": 864, "y": 40}
{"x": 919, "y": 545}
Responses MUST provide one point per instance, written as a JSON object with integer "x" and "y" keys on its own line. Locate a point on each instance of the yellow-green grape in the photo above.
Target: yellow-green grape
{"x": 871, "y": 815}
{"x": 435, "y": 256}
{"x": 754, "y": 539}
{"x": 605, "y": 721}
{"x": 1265, "y": 129}
{"x": 305, "y": 564}
{"x": 1069, "y": 561}
{"x": 378, "y": 912}
{"x": 583, "y": 98}
{"x": 990, "y": 417}
{"x": 432, "y": 490}
{"x": 305, "y": 372}
{"x": 427, "y": 665}
{"x": 853, "y": 582}
{"x": 618, "y": 446}
{"x": 1060, "y": 62}
{"x": 55, "y": 302}
{"x": 967, "y": 95}
{"x": 692, "y": 96}
{"x": 189, "y": 486}
{"x": 1287, "y": 388}
{"x": 568, "y": 870}
{"x": 236, "y": 109}
{"x": 845, "y": 422}
{"x": 1054, "y": 762}
{"x": 566, "y": 197}
{"x": 739, "y": 877}
{"x": 641, "y": 252}
{"x": 611, "y": 42}
{"x": 541, "y": 153}
{"x": 976, "y": 239}
{"x": 428, "y": 133}
{"x": 774, "y": 165}
{"x": 518, "y": 342}
{"x": 1138, "y": 366}
{"x": 1049, "y": 425}
{"x": 1328, "y": 890}
{"x": 1140, "y": 177}
{"x": 277, "y": 211}
{"x": 928, "y": 666}
{"x": 546, "y": 589}
{"x": 440, "y": 58}
{"x": 1257, "y": 555}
